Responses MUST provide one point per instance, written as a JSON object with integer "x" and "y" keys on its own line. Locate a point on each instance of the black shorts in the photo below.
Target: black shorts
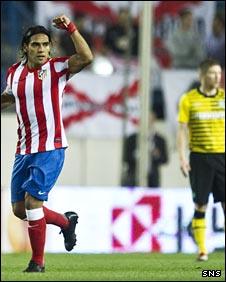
{"x": 207, "y": 176}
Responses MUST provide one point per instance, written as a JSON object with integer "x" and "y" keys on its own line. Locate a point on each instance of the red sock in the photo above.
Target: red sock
{"x": 55, "y": 218}
{"x": 37, "y": 234}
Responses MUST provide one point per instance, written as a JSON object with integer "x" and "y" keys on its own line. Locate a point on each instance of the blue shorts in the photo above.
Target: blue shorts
{"x": 36, "y": 174}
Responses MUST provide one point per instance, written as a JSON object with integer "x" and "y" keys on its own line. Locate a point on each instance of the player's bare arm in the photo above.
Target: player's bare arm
{"x": 182, "y": 143}
{"x": 6, "y": 100}
{"x": 83, "y": 55}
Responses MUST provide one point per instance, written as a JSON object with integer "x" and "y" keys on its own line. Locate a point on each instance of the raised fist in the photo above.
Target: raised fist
{"x": 61, "y": 22}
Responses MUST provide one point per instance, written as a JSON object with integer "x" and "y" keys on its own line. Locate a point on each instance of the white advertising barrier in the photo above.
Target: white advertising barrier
{"x": 119, "y": 220}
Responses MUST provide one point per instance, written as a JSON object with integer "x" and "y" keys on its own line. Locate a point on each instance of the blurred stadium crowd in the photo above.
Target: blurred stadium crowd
{"x": 181, "y": 42}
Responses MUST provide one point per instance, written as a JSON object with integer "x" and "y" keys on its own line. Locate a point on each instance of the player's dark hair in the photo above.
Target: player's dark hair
{"x": 206, "y": 64}
{"x": 184, "y": 12}
{"x": 27, "y": 36}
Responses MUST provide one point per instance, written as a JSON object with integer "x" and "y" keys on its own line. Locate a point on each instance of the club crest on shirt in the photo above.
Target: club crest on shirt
{"x": 42, "y": 74}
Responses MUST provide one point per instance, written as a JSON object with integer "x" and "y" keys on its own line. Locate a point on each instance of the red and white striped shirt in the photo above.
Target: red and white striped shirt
{"x": 38, "y": 96}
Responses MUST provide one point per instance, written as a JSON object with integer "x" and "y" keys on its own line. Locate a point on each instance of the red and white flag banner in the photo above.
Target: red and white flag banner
{"x": 93, "y": 106}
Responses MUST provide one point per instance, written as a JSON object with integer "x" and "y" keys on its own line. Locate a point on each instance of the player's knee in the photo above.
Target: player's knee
{"x": 31, "y": 202}
{"x": 18, "y": 212}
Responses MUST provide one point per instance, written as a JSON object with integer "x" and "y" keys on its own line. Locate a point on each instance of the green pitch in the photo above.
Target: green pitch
{"x": 114, "y": 267}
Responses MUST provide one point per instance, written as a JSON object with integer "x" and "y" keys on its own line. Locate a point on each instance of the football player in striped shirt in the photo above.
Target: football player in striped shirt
{"x": 36, "y": 85}
{"x": 202, "y": 115}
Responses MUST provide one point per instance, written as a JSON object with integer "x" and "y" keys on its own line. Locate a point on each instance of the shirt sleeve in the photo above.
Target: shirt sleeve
{"x": 183, "y": 111}
{"x": 8, "y": 88}
{"x": 61, "y": 66}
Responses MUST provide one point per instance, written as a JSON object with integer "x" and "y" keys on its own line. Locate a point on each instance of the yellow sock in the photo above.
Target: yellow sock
{"x": 199, "y": 231}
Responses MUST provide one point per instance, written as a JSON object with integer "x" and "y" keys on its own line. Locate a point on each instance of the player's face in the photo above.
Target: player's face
{"x": 212, "y": 77}
{"x": 187, "y": 21}
{"x": 38, "y": 50}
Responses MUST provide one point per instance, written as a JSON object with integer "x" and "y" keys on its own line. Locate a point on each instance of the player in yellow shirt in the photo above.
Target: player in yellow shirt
{"x": 202, "y": 120}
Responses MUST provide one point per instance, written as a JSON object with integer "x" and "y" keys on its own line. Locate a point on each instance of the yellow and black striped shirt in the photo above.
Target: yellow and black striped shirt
{"x": 205, "y": 116}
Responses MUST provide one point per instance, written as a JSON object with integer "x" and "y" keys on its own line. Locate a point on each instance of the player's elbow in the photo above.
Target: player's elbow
{"x": 88, "y": 59}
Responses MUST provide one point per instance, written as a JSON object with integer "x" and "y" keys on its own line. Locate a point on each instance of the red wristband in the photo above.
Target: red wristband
{"x": 71, "y": 27}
